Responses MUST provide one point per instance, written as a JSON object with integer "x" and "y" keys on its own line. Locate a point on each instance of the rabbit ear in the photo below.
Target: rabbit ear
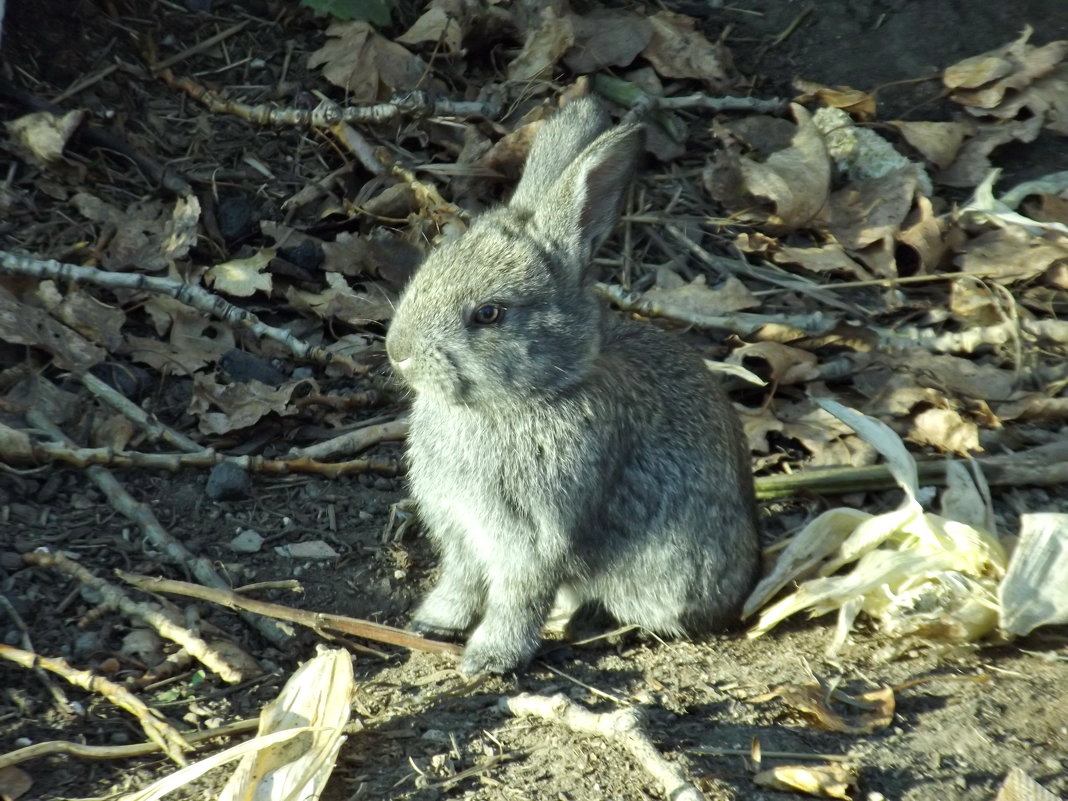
{"x": 585, "y": 202}
{"x": 556, "y": 146}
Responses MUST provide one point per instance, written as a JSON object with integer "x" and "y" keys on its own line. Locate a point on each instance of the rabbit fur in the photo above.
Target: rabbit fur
{"x": 557, "y": 450}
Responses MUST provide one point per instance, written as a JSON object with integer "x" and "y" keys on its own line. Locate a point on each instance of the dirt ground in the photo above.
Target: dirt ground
{"x": 423, "y": 732}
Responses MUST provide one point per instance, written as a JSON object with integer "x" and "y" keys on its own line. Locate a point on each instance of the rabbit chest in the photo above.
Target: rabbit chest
{"x": 486, "y": 480}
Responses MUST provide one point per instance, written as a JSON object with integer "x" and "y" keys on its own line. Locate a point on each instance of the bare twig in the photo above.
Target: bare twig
{"x": 191, "y": 295}
{"x": 232, "y": 666}
{"x": 142, "y": 515}
{"x": 313, "y": 620}
{"x": 354, "y": 441}
{"x": 622, "y": 726}
{"x": 169, "y": 739}
{"x": 27, "y": 644}
{"x": 56, "y": 747}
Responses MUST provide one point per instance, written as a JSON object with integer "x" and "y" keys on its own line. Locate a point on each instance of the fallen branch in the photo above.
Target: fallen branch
{"x": 169, "y": 739}
{"x": 16, "y": 448}
{"x": 142, "y": 515}
{"x": 232, "y": 667}
{"x": 417, "y": 104}
{"x": 355, "y": 441}
{"x": 1046, "y": 465}
{"x": 316, "y": 621}
{"x": 56, "y": 747}
{"x": 191, "y": 295}
{"x": 623, "y": 726}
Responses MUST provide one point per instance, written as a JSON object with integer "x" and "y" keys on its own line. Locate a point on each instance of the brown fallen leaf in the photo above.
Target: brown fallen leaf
{"x": 340, "y": 301}
{"x": 938, "y": 142}
{"x": 365, "y": 64}
{"x": 834, "y": 710}
{"x": 24, "y": 324}
{"x": 828, "y": 259}
{"x": 955, "y": 375}
{"x": 606, "y": 38}
{"x": 923, "y": 235}
{"x": 824, "y": 781}
{"x": 867, "y": 211}
{"x": 1034, "y": 407}
{"x": 858, "y": 104}
{"x": 773, "y": 361}
{"x": 544, "y": 46}
{"x": 1011, "y": 254}
{"x": 678, "y": 49}
{"x": 795, "y": 181}
{"x": 14, "y": 783}
{"x": 221, "y": 408}
{"x": 973, "y": 302}
{"x": 92, "y": 318}
{"x": 973, "y": 160}
{"x": 149, "y": 236}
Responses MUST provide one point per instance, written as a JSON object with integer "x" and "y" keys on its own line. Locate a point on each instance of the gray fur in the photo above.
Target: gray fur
{"x": 563, "y": 450}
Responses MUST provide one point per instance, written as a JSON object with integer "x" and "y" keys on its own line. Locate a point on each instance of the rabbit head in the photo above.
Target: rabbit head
{"x": 505, "y": 312}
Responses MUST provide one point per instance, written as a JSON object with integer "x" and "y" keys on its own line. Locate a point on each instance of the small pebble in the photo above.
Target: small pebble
{"x": 228, "y": 482}
{"x": 9, "y": 560}
{"x": 248, "y": 541}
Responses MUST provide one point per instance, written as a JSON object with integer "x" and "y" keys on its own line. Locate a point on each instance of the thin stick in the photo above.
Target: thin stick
{"x": 623, "y": 726}
{"x": 313, "y": 620}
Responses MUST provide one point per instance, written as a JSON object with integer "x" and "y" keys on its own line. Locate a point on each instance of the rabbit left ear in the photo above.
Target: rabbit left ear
{"x": 585, "y": 202}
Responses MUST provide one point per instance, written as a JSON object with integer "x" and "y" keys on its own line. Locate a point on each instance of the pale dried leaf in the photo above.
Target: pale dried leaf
{"x": 23, "y": 324}
{"x": 228, "y": 407}
{"x": 39, "y": 138}
{"x": 825, "y": 259}
{"x": 938, "y": 142}
{"x": 14, "y": 781}
{"x": 945, "y": 430}
{"x": 436, "y": 25}
{"x": 1018, "y": 786}
{"x": 825, "y": 781}
{"x": 96, "y": 321}
{"x": 1035, "y": 589}
{"x": 678, "y": 50}
{"x": 973, "y": 161}
{"x": 339, "y": 300}
{"x": 698, "y": 298}
{"x": 1012, "y": 254}
{"x": 776, "y": 362}
{"x": 243, "y": 277}
{"x": 924, "y": 233}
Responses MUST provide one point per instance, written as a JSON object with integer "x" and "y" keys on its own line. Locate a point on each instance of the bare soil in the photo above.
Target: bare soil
{"x": 982, "y": 712}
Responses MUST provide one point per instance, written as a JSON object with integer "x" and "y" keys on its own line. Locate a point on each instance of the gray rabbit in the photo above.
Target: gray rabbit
{"x": 556, "y": 450}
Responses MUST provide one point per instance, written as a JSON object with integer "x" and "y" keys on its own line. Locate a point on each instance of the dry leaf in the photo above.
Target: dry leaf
{"x": 1034, "y": 407}
{"x": 366, "y": 65}
{"x": 955, "y": 375}
{"x": 834, "y": 710}
{"x": 339, "y": 300}
{"x": 91, "y": 318}
{"x": 795, "y": 180}
{"x": 923, "y": 234}
{"x": 1018, "y": 786}
{"x": 23, "y": 324}
{"x": 1011, "y": 254}
{"x": 871, "y": 210}
{"x": 938, "y": 142}
{"x": 14, "y": 783}
{"x": 228, "y": 407}
{"x": 39, "y": 139}
{"x": 678, "y": 50}
{"x": 973, "y": 161}
{"x": 859, "y": 105}
{"x": 436, "y": 25}
{"x": 824, "y": 781}
{"x": 606, "y": 38}
{"x": 149, "y": 236}
{"x": 829, "y": 259}
{"x": 946, "y": 430}
{"x": 242, "y": 277}
{"x": 697, "y": 298}
{"x": 773, "y": 361}
{"x": 544, "y": 46}
{"x": 973, "y": 302}
{"x": 1034, "y": 592}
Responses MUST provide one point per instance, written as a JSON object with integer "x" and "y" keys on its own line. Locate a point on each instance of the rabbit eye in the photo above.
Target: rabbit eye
{"x": 487, "y": 314}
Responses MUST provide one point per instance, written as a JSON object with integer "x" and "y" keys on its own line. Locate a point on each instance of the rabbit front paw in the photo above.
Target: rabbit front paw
{"x": 485, "y": 654}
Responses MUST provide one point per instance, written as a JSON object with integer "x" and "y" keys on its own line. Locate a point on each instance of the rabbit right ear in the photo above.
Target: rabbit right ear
{"x": 558, "y": 143}
{"x": 584, "y": 203}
